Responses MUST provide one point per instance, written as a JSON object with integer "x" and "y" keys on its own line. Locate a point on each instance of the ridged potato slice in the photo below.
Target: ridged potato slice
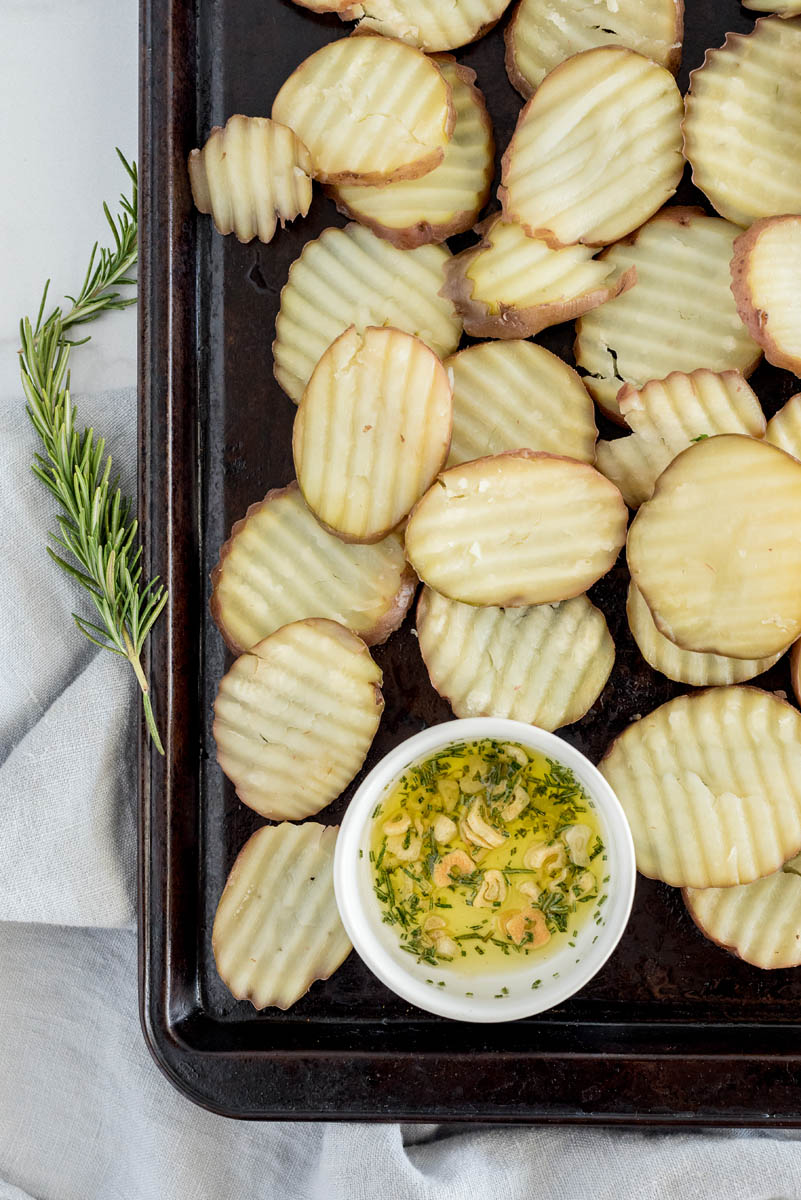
{"x": 514, "y": 395}
{"x": 512, "y": 286}
{"x": 666, "y": 416}
{"x": 543, "y": 33}
{"x": 545, "y": 665}
{"x": 295, "y": 716}
{"x": 760, "y": 922}
{"x": 742, "y": 126}
{"x": 766, "y": 282}
{"x": 431, "y": 26}
{"x": 782, "y": 8}
{"x": 277, "y": 928}
{"x": 250, "y": 175}
{"x": 515, "y": 529}
{"x": 686, "y": 666}
{"x": 280, "y": 565}
{"x": 370, "y": 110}
{"x": 716, "y": 552}
{"x": 711, "y": 786}
{"x": 784, "y": 428}
{"x": 351, "y": 277}
{"x": 448, "y": 199}
{"x": 372, "y": 431}
{"x": 596, "y": 150}
{"x": 680, "y": 314}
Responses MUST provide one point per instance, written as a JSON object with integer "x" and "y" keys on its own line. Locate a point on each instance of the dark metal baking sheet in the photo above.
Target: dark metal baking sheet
{"x": 673, "y": 1030}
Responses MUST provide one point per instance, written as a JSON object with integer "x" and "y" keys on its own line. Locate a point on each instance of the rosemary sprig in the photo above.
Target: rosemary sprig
{"x": 96, "y": 531}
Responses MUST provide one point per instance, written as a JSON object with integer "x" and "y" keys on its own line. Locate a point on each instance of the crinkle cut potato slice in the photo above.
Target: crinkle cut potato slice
{"x": 666, "y": 416}
{"x": 250, "y": 175}
{"x": 511, "y": 285}
{"x": 446, "y": 201}
{"x": 742, "y": 126}
{"x": 429, "y": 25}
{"x": 543, "y": 33}
{"x": 370, "y": 110}
{"x": 596, "y": 150}
{"x": 716, "y": 551}
{"x": 510, "y": 395}
{"x": 295, "y": 716}
{"x": 545, "y": 665}
{"x": 680, "y": 314}
{"x": 760, "y": 922}
{"x": 351, "y": 277}
{"x": 280, "y": 565}
{"x": 784, "y": 428}
{"x": 515, "y": 529}
{"x": 686, "y": 666}
{"x": 782, "y": 8}
{"x": 766, "y": 282}
{"x": 711, "y": 785}
{"x": 372, "y": 431}
{"x": 277, "y": 928}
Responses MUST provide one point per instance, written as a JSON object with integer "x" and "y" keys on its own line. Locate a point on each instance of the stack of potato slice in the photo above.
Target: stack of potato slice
{"x": 475, "y": 470}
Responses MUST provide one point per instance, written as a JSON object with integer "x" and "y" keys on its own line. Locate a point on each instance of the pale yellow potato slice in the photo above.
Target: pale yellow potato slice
{"x": 516, "y": 528}
{"x": 680, "y": 314}
{"x": 766, "y": 282}
{"x": 782, "y": 8}
{"x": 742, "y": 126}
{"x": 511, "y": 285}
{"x": 716, "y": 552}
{"x": 251, "y": 175}
{"x": 372, "y": 431}
{"x": 543, "y": 33}
{"x": 545, "y": 665}
{"x": 711, "y": 786}
{"x": 666, "y": 416}
{"x": 280, "y": 565}
{"x": 596, "y": 150}
{"x": 686, "y": 666}
{"x": 351, "y": 277}
{"x": 295, "y": 716}
{"x": 446, "y": 201}
{"x": 277, "y": 928}
{"x": 760, "y": 922}
{"x": 513, "y": 395}
{"x": 370, "y": 110}
{"x": 784, "y": 429}
{"x": 431, "y": 26}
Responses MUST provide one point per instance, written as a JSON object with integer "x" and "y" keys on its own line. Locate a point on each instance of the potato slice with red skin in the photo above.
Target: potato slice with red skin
{"x": 766, "y": 282}
{"x": 360, "y": 126}
{"x": 280, "y": 565}
{"x": 716, "y": 551}
{"x": 251, "y": 175}
{"x": 295, "y": 716}
{"x": 512, "y": 286}
{"x": 372, "y": 431}
{"x": 515, "y": 529}
{"x": 596, "y": 150}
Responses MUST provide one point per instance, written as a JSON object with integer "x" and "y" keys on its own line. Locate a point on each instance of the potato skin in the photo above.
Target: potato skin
{"x": 755, "y": 319}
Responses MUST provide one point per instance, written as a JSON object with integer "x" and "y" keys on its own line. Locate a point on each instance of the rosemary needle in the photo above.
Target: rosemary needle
{"x": 96, "y": 539}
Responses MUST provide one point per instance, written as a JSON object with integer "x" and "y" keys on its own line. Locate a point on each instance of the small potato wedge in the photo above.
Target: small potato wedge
{"x": 716, "y": 552}
{"x": 510, "y": 395}
{"x": 711, "y": 786}
{"x": 446, "y": 201}
{"x": 371, "y": 110}
{"x": 372, "y": 431}
{"x": 766, "y": 282}
{"x": 277, "y": 928}
{"x": 295, "y": 716}
{"x": 596, "y": 150}
{"x": 251, "y": 175}
{"x": 516, "y": 529}
{"x": 545, "y": 665}
{"x": 280, "y": 565}
{"x": 512, "y": 286}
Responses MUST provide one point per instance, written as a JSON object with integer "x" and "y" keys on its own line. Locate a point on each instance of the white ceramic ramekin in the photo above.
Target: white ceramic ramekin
{"x": 517, "y": 990}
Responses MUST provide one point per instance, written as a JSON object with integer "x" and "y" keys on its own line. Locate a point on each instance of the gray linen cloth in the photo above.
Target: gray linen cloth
{"x": 84, "y": 1113}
